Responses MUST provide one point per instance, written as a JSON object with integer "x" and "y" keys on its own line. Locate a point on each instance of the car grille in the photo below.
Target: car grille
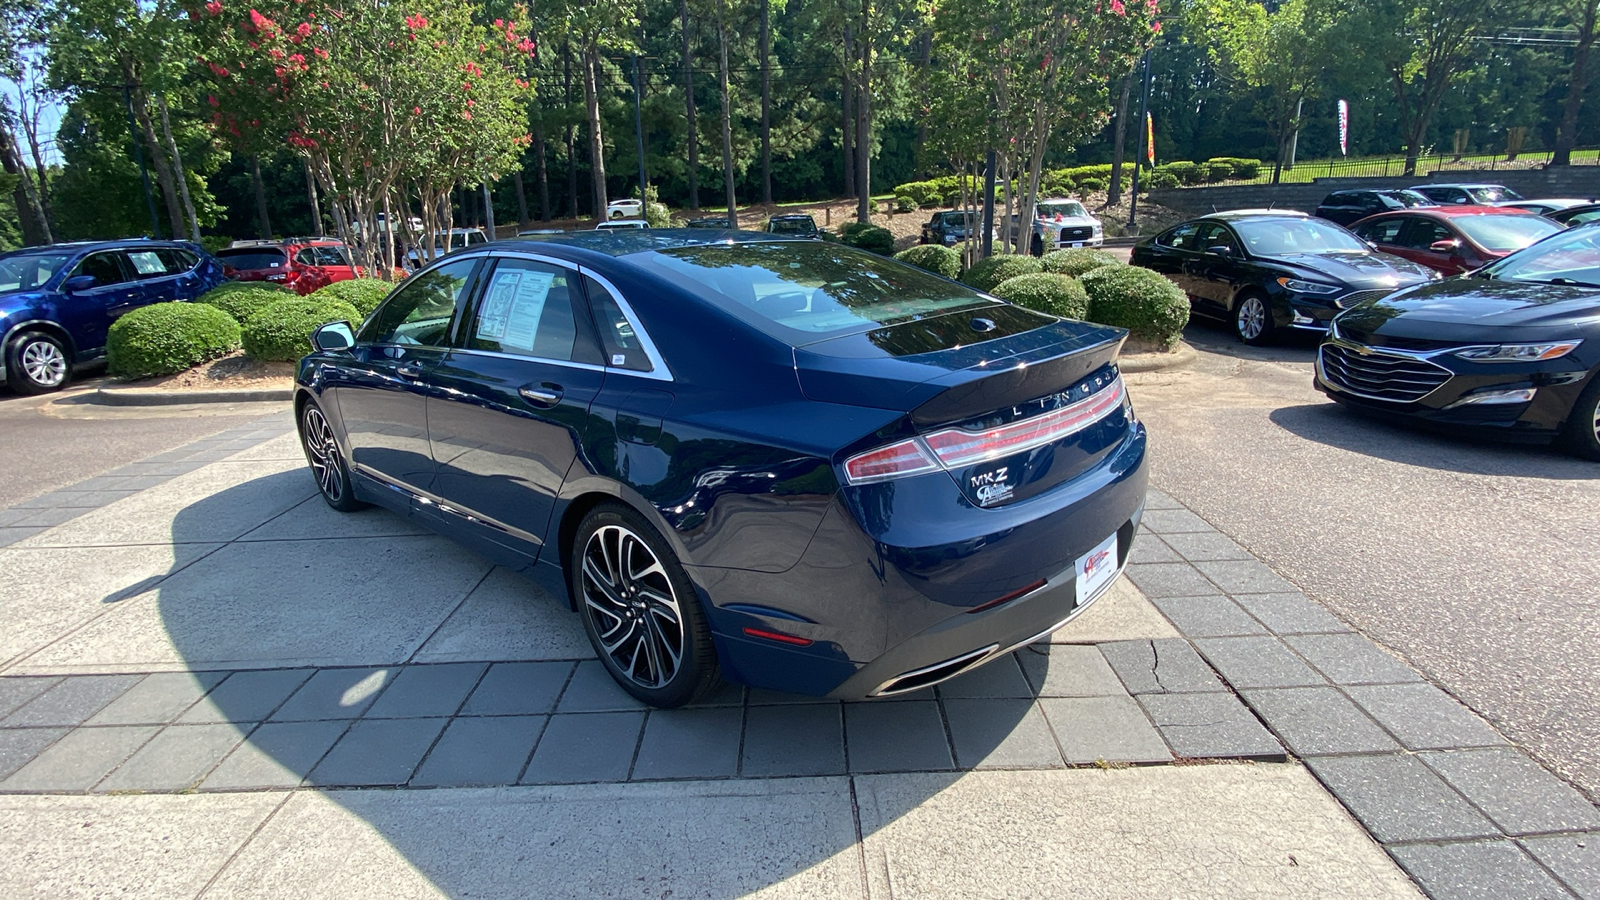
{"x": 1356, "y": 298}
{"x": 1380, "y": 376}
{"x": 1076, "y": 234}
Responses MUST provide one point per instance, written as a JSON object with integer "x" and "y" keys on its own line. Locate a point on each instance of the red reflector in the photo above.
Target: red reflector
{"x": 1007, "y": 598}
{"x": 779, "y": 637}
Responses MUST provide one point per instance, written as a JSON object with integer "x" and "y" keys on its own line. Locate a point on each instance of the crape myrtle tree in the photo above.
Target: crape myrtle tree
{"x": 380, "y": 98}
{"x": 1045, "y": 67}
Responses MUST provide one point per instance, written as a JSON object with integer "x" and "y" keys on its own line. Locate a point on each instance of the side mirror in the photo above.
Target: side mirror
{"x": 333, "y": 336}
{"x": 1220, "y": 250}
{"x": 1449, "y": 246}
{"x": 77, "y": 284}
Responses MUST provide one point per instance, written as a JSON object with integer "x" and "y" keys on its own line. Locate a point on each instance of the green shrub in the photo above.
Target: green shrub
{"x": 1219, "y": 170}
{"x": 211, "y": 243}
{"x": 362, "y": 293}
{"x": 985, "y": 274}
{"x": 1090, "y": 185}
{"x": 906, "y": 203}
{"x": 1076, "y": 261}
{"x": 1239, "y": 167}
{"x": 165, "y": 338}
{"x": 243, "y": 299}
{"x": 1152, "y": 308}
{"x": 1159, "y": 181}
{"x": 1057, "y": 295}
{"x": 1186, "y": 172}
{"x": 283, "y": 330}
{"x": 936, "y": 259}
{"x": 868, "y": 237}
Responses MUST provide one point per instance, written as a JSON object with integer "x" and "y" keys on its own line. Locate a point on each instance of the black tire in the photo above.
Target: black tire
{"x": 1582, "y": 434}
{"x": 626, "y": 580}
{"x": 37, "y": 362}
{"x": 326, "y": 459}
{"x": 1252, "y": 320}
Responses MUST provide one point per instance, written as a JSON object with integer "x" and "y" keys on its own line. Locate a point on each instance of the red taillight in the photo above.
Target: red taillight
{"x": 956, "y": 447}
{"x": 894, "y": 461}
{"x": 780, "y": 637}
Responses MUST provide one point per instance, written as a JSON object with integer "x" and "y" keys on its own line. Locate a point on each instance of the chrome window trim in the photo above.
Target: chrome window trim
{"x": 658, "y": 366}
{"x": 495, "y": 354}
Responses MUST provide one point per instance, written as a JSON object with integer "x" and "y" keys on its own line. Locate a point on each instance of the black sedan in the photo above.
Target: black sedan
{"x": 1347, "y": 207}
{"x": 1512, "y": 350}
{"x": 1265, "y": 270}
{"x": 781, "y": 462}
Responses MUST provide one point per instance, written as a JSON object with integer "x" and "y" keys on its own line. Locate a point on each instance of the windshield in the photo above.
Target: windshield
{"x": 29, "y": 271}
{"x": 1408, "y": 199}
{"x": 791, "y": 226}
{"x": 1067, "y": 209}
{"x": 1502, "y": 234}
{"x": 953, "y": 218}
{"x": 1571, "y": 258}
{"x": 1491, "y": 194}
{"x": 1272, "y": 237}
{"x": 252, "y": 257}
{"x": 801, "y": 291}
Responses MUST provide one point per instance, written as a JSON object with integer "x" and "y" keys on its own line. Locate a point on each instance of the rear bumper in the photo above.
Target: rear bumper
{"x": 898, "y": 602}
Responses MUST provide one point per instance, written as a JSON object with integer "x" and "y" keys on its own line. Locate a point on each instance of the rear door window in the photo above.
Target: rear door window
{"x": 529, "y": 308}
{"x": 147, "y": 264}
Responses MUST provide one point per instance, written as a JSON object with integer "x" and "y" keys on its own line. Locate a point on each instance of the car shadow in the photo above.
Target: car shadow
{"x": 1416, "y": 445}
{"x": 1215, "y": 336}
{"x": 368, "y": 599}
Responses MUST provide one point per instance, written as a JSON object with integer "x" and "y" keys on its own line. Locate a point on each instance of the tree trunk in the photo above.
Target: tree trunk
{"x": 541, "y": 155}
{"x": 766, "y": 102}
{"x": 522, "y": 196}
{"x": 159, "y": 162}
{"x": 597, "y": 146}
{"x": 311, "y": 196}
{"x": 1119, "y": 143}
{"x": 30, "y": 129}
{"x": 864, "y": 121}
{"x": 262, "y": 220}
{"x": 1577, "y": 85}
{"x": 177, "y": 163}
{"x": 572, "y": 142}
{"x": 689, "y": 109}
{"x": 847, "y": 131}
{"x": 727, "y": 119}
{"x": 925, "y": 58}
{"x": 35, "y": 228}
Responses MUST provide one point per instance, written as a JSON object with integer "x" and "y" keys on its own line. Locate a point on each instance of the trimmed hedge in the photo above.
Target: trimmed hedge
{"x": 1152, "y": 308}
{"x": 1076, "y": 261}
{"x": 936, "y": 259}
{"x": 243, "y": 299}
{"x": 283, "y": 330}
{"x": 986, "y": 274}
{"x": 1057, "y": 295}
{"x": 166, "y": 338}
{"x": 868, "y": 237}
{"x": 362, "y": 293}
{"x": 1159, "y": 181}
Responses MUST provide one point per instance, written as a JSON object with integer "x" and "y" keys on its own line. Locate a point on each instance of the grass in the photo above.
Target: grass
{"x": 1307, "y": 170}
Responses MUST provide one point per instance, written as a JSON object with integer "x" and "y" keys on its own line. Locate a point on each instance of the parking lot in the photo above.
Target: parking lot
{"x": 211, "y": 684}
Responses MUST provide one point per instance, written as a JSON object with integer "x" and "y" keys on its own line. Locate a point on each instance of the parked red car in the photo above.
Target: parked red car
{"x": 1454, "y": 239}
{"x": 303, "y": 264}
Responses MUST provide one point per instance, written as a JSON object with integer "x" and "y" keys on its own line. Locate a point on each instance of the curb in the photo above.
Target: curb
{"x": 1180, "y": 357}
{"x": 152, "y": 397}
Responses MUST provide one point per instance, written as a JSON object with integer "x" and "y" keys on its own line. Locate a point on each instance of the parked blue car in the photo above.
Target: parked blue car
{"x": 57, "y": 303}
{"x": 785, "y": 463}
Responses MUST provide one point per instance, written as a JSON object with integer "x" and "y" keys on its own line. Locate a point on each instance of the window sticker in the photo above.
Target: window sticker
{"x": 146, "y": 262}
{"x": 513, "y": 307}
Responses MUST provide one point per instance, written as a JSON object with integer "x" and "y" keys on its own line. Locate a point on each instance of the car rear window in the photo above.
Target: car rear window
{"x": 253, "y": 257}
{"x": 1493, "y": 194}
{"x": 1503, "y": 234}
{"x": 802, "y": 291}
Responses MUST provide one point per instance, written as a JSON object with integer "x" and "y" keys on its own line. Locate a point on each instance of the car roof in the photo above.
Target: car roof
{"x": 86, "y": 246}
{"x": 622, "y": 242}
{"x": 1235, "y": 215}
{"x": 1458, "y": 184}
{"x": 786, "y": 216}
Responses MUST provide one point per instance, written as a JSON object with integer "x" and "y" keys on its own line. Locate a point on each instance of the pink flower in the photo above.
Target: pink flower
{"x": 1118, "y": 8}
{"x": 304, "y": 29}
{"x": 214, "y": 7}
{"x": 321, "y": 53}
{"x": 416, "y": 110}
{"x": 1155, "y": 27}
{"x": 212, "y": 99}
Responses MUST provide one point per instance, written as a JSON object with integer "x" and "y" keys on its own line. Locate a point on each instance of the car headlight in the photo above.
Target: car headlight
{"x": 1095, "y": 228}
{"x": 1518, "y": 352}
{"x": 1308, "y": 287}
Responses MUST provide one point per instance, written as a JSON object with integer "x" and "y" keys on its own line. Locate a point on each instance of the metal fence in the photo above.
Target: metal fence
{"x": 1378, "y": 166}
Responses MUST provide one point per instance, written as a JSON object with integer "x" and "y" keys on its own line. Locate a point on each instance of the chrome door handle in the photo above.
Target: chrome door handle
{"x": 408, "y": 370}
{"x": 542, "y": 395}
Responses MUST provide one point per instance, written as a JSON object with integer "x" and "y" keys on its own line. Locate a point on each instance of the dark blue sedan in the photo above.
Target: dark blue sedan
{"x": 780, "y": 462}
{"x": 57, "y": 303}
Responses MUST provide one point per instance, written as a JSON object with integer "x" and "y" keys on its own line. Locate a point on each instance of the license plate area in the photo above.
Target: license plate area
{"x": 1094, "y": 570}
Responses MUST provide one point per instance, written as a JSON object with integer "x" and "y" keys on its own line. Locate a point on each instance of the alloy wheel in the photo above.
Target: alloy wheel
{"x": 633, "y": 607}
{"x": 322, "y": 451}
{"x": 1252, "y": 318}
{"x": 44, "y": 363}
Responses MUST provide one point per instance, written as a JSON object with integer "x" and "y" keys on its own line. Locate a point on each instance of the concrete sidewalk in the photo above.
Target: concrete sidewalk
{"x": 198, "y": 669}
